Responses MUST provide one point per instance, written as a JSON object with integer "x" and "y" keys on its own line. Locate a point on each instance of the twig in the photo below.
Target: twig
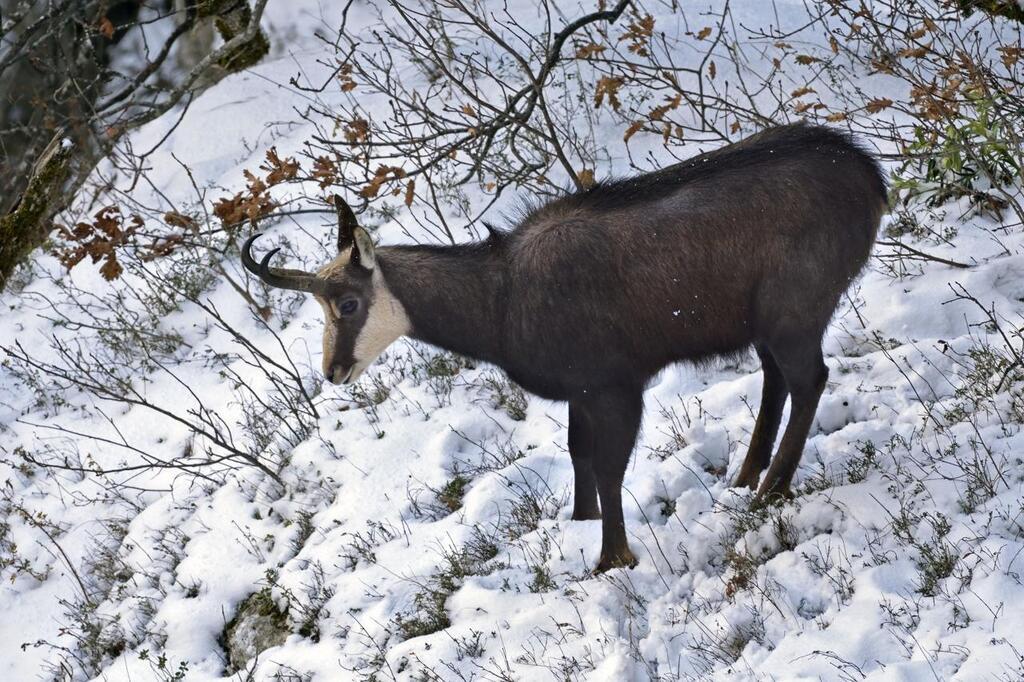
{"x": 922, "y": 254}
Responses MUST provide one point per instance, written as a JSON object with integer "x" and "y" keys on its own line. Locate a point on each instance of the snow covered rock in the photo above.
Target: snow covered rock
{"x": 259, "y": 625}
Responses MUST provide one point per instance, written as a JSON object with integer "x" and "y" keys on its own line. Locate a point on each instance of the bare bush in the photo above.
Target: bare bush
{"x": 75, "y": 77}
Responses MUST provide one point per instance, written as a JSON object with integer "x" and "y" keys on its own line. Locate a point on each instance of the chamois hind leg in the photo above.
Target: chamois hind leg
{"x": 611, "y": 420}
{"x": 769, "y": 415}
{"x": 804, "y": 370}
{"x": 584, "y": 500}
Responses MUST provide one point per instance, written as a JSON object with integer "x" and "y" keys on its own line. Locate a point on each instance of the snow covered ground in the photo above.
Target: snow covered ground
{"x": 424, "y": 530}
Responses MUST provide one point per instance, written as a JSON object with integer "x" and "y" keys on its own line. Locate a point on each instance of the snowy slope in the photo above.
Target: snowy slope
{"x": 424, "y": 530}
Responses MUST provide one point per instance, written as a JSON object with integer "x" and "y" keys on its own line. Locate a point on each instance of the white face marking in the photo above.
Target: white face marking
{"x": 386, "y": 320}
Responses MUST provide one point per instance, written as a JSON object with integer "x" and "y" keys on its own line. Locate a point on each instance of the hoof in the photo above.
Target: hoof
{"x": 747, "y": 479}
{"x": 621, "y": 559}
{"x": 771, "y": 495}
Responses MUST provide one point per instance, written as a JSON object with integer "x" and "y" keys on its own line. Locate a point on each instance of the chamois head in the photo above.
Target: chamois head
{"x": 361, "y": 317}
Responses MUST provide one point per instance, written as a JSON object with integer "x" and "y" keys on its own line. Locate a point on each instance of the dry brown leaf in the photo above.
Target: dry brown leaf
{"x": 345, "y": 77}
{"x": 111, "y": 269}
{"x": 639, "y": 32}
{"x": 1009, "y": 55}
{"x": 589, "y": 50}
{"x": 608, "y": 87}
{"x": 175, "y": 219}
{"x": 915, "y": 52}
{"x": 106, "y": 28}
{"x": 658, "y": 113}
{"x": 279, "y": 170}
{"x": 357, "y": 130}
{"x": 325, "y": 171}
{"x": 878, "y": 104}
{"x": 632, "y": 130}
{"x": 381, "y": 176}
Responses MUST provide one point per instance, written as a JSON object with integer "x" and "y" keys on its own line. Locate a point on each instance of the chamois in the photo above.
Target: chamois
{"x": 592, "y": 294}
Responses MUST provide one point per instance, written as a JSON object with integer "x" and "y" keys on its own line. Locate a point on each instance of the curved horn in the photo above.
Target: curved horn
{"x": 282, "y": 278}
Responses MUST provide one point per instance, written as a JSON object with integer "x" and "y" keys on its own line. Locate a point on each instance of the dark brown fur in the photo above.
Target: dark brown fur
{"x": 591, "y": 295}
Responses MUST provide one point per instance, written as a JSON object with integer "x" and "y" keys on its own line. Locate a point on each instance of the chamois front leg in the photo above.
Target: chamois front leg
{"x": 610, "y": 419}
{"x": 584, "y": 500}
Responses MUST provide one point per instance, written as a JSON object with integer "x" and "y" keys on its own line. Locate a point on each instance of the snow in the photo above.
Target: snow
{"x": 829, "y": 586}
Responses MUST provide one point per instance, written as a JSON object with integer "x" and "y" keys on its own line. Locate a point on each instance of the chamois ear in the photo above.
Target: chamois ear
{"x": 347, "y": 224}
{"x": 362, "y": 253}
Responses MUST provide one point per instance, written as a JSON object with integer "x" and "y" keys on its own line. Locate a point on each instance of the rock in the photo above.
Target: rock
{"x": 257, "y": 626}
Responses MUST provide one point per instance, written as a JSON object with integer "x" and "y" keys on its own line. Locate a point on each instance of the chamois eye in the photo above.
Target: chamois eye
{"x": 348, "y": 307}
